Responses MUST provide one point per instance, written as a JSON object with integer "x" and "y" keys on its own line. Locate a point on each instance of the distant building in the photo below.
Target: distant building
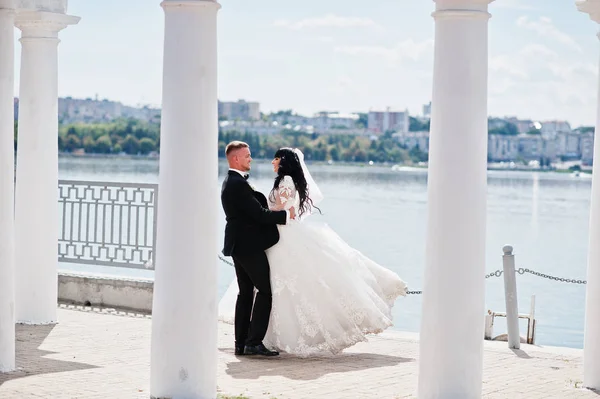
{"x": 502, "y": 148}
{"x": 427, "y": 109}
{"x": 388, "y": 121}
{"x": 412, "y": 140}
{"x": 531, "y": 147}
{"x": 568, "y": 145}
{"x": 240, "y": 110}
{"x": 523, "y": 125}
{"x": 527, "y": 147}
{"x": 255, "y": 127}
{"x": 274, "y": 127}
{"x": 87, "y": 110}
{"x": 294, "y": 120}
{"x": 550, "y": 129}
{"x": 333, "y": 120}
{"x": 587, "y": 148}
{"x": 72, "y": 110}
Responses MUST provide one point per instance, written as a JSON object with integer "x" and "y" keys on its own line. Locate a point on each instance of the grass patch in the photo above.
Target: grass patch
{"x": 575, "y": 383}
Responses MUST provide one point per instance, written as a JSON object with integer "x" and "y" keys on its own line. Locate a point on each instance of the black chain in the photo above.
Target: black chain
{"x": 225, "y": 260}
{"x": 497, "y": 273}
{"x": 559, "y": 279}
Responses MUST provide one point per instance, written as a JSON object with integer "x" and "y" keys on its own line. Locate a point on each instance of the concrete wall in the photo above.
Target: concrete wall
{"x": 122, "y": 293}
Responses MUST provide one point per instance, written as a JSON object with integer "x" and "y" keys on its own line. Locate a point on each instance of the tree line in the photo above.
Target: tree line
{"x": 129, "y": 136}
{"x": 136, "y": 137}
{"x": 339, "y": 147}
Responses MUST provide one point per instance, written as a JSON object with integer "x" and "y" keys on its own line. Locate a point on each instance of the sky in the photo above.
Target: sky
{"x": 338, "y": 55}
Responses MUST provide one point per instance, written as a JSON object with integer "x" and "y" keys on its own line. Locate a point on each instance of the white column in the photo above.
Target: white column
{"x": 591, "y": 345}
{"x": 452, "y": 328}
{"x": 36, "y": 208}
{"x": 184, "y": 317}
{"x": 7, "y": 185}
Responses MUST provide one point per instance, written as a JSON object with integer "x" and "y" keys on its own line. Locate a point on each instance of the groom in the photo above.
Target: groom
{"x": 251, "y": 228}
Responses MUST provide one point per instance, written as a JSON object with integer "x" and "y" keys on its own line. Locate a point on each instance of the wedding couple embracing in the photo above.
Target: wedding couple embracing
{"x": 300, "y": 288}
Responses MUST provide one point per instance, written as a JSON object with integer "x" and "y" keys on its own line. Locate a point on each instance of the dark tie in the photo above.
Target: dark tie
{"x": 246, "y": 176}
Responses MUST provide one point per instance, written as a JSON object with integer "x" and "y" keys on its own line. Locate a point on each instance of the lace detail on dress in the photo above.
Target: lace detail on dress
{"x": 314, "y": 315}
{"x": 287, "y": 192}
{"x": 316, "y": 337}
{"x": 280, "y": 284}
{"x": 285, "y": 195}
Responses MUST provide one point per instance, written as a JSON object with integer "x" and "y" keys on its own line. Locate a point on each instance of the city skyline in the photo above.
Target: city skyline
{"x": 345, "y": 56}
{"x": 318, "y": 114}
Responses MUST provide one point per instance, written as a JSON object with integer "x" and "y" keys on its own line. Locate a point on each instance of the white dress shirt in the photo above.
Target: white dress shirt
{"x": 240, "y": 172}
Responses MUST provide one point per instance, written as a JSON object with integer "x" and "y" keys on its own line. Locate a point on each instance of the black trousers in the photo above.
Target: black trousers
{"x": 251, "y": 322}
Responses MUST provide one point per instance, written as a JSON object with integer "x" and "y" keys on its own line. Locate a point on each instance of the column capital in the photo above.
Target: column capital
{"x": 590, "y": 7}
{"x": 43, "y": 24}
{"x": 7, "y": 5}
{"x": 189, "y": 3}
{"x": 59, "y": 6}
{"x": 461, "y": 9}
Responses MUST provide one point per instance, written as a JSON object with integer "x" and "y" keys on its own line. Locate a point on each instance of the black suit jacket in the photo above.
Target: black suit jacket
{"x": 251, "y": 227}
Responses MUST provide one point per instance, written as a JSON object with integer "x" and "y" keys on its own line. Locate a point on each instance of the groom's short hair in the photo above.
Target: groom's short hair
{"x": 235, "y": 145}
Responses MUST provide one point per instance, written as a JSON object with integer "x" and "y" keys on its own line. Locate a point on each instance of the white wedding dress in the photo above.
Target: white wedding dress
{"x": 326, "y": 295}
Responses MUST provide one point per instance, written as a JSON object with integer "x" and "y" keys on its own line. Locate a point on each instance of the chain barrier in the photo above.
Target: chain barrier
{"x": 549, "y": 277}
{"x": 496, "y": 273}
{"x": 225, "y": 260}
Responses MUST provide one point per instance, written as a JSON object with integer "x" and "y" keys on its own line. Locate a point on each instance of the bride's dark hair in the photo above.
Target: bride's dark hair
{"x": 289, "y": 164}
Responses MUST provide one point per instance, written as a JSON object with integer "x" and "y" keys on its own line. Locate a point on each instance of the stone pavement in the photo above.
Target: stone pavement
{"x": 106, "y": 354}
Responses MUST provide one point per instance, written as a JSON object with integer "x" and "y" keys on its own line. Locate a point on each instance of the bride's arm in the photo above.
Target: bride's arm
{"x": 286, "y": 193}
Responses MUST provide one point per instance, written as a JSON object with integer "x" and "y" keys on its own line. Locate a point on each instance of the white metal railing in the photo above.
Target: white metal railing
{"x": 107, "y": 223}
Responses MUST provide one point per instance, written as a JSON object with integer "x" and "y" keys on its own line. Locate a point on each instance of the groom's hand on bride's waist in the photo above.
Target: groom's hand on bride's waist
{"x": 292, "y": 213}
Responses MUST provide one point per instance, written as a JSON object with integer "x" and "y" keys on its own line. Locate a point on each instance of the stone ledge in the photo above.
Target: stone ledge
{"x": 106, "y": 291}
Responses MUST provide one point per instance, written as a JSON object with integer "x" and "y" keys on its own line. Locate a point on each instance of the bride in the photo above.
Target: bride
{"x": 326, "y": 295}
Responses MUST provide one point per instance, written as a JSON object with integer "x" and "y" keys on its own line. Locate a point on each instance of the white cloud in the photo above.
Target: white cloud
{"x": 512, "y": 4}
{"x": 537, "y": 51}
{"x": 544, "y": 27}
{"x": 501, "y": 86}
{"x": 535, "y": 82}
{"x": 325, "y": 39}
{"x": 521, "y": 63}
{"x": 327, "y": 21}
{"x": 407, "y": 49}
{"x": 572, "y": 71}
{"x": 504, "y": 63}
{"x": 344, "y": 84}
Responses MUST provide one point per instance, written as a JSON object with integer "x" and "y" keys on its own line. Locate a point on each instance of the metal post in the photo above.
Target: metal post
{"x": 489, "y": 326}
{"x": 510, "y": 297}
{"x": 531, "y": 328}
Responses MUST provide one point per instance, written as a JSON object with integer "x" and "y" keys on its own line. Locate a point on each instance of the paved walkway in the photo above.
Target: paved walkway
{"x": 106, "y": 355}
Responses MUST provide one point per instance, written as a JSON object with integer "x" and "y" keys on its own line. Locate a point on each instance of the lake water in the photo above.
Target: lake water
{"x": 382, "y": 213}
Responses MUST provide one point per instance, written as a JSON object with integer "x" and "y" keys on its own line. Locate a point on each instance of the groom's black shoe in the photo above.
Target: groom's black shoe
{"x": 259, "y": 349}
{"x": 239, "y": 350}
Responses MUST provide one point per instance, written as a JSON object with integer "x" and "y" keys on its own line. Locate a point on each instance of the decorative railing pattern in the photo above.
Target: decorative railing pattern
{"x": 106, "y": 223}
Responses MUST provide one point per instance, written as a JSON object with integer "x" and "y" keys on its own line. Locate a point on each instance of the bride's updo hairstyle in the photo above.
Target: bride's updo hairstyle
{"x": 289, "y": 164}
